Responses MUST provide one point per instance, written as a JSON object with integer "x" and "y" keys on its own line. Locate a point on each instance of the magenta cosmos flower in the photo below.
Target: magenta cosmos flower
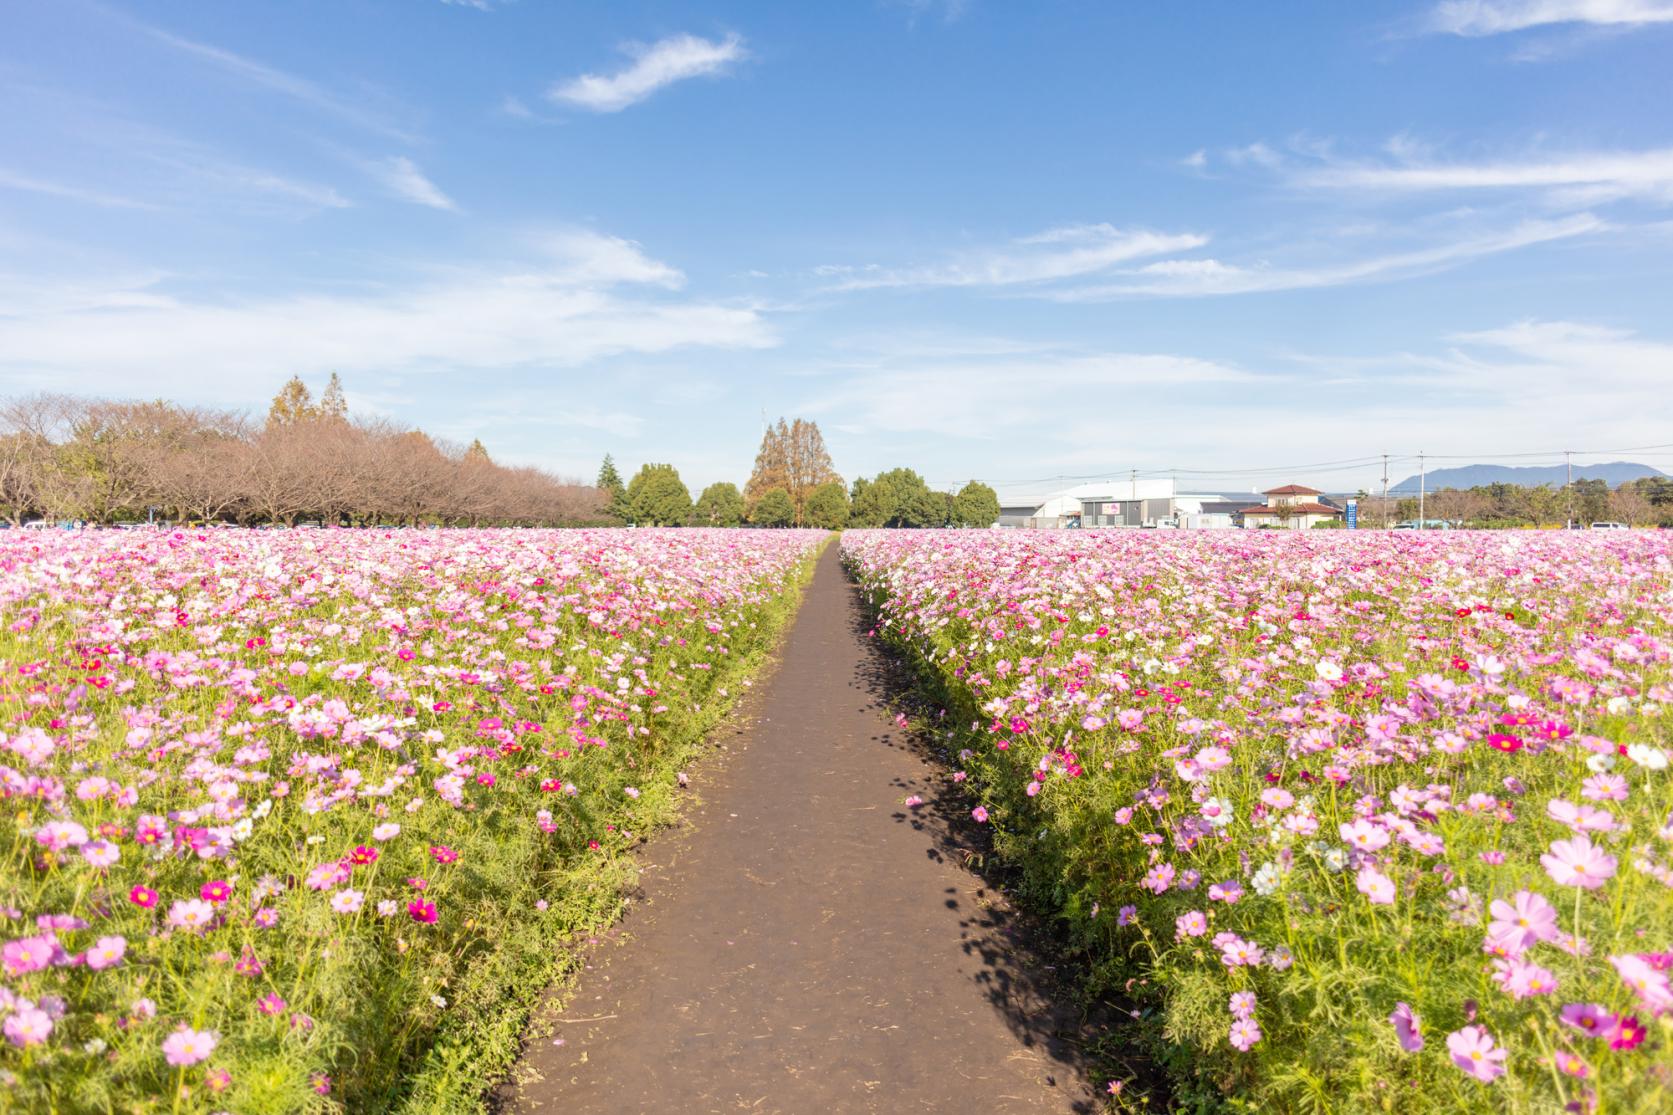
{"x": 1577, "y": 862}
{"x": 422, "y": 911}
{"x": 1408, "y": 1027}
{"x": 1474, "y": 1051}
{"x": 187, "y": 1046}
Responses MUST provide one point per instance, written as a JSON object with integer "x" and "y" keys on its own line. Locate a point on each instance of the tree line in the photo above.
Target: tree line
{"x": 110, "y": 461}
{"x": 793, "y": 484}
{"x": 1644, "y": 502}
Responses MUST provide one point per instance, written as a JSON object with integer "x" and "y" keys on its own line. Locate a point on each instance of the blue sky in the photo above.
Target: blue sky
{"x": 982, "y": 239}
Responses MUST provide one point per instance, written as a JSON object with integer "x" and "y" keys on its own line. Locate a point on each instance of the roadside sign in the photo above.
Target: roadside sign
{"x": 1353, "y": 514}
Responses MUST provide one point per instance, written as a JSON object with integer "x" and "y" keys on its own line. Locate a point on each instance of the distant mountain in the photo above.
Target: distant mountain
{"x": 1529, "y": 476}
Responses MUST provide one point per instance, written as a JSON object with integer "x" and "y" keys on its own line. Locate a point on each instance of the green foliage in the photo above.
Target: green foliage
{"x": 827, "y": 507}
{"x": 657, "y": 497}
{"x": 976, "y": 505}
{"x": 615, "y": 491}
{"x": 774, "y": 509}
{"x": 720, "y": 505}
{"x": 897, "y": 498}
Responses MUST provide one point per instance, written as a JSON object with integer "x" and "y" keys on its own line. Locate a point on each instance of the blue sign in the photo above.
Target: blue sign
{"x": 1353, "y": 514}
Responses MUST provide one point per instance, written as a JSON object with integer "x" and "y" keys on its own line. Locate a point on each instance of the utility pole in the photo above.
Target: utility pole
{"x": 1385, "y": 492}
{"x": 1422, "y": 484}
{"x": 1568, "y": 489}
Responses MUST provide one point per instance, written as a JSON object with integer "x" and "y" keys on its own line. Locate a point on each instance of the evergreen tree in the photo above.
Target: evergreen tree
{"x": 976, "y": 505}
{"x": 294, "y": 403}
{"x": 332, "y": 404}
{"x": 720, "y": 505}
{"x": 477, "y": 454}
{"x": 773, "y": 509}
{"x": 657, "y": 497}
{"x": 610, "y": 483}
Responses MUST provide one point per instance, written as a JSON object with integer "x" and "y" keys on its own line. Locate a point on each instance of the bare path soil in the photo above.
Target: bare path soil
{"x": 806, "y": 942}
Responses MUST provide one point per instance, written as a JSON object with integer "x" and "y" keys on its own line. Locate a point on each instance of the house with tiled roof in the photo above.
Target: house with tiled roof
{"x": 1291, "y": 507}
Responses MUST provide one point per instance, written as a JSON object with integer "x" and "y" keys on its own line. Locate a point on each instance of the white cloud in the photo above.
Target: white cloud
{"x": 654, "y": 66}
{"x": 1192, "y": 278}
{"x": 401, "y": 175}
{"x": 12, "y": 181}
{"x": 1057, "y": 253}
{"x": 1578, "y": 178}
{"x": 560, "y": 310}
{"x": 1476, "y": 18}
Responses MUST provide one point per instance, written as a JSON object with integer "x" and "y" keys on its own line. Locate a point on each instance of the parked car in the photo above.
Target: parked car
{"x": 1610, "y": 526}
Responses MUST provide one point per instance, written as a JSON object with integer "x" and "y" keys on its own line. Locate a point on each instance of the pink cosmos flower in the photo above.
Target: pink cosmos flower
{"x": 347, "y": 901}
{"x": 1244, "y": 1034}
{"x": 1571, "y": 1065}
{"x": 1474, "y": 1052}
{"x": 1589, "y": 1018}
{"x": 422, "y": 911}
{"x": 1364, "y": 835}
{"x": 1242, "y": 1004}
{"x": 1646, "y": 981}
{"x": 101, "y": 853}
{"x": 1227, "y": 892}
{"x": 28, "y": 954}
{"x": 981, "y": 814}
{"x": 1192, "y": 924}
{"x": 190, "y": 913}
{"x": 1126, "y": 915}
{"x": 216, "y": 892}
{"x": 1408, "y": 1028}
{"x": 387, "y": 831}
{"x": 270, "y": 1003}
{"x": 1577, "y": 862}
{"x": 1524, "y": 920}
{"x": 143, "y": 897}
{"x": 107, "y": 952}
{"x": 187, "y": 1046}
{"x": 29, "y": 1026}
{"x": 1522, "y": 980}
{"x": 1158, "y": 878}
{"x": 1376, "y": 886}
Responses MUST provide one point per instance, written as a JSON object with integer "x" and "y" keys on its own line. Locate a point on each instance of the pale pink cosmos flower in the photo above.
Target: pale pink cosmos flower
{"x": 1580, "y": 818}
{"x": 187, "y": 1046}
{"x": 1648, "y": 983}
{"x": 347, "y": 901}
{"x": 981, "y": 814}
{"x": 1523, "y": 980}
{"x": 1577, "y": 862}
{"x": 107, "y": 952}
{"x": 1522, "y": 921}
{"x": 1376, "y": 886}
{"x": 190, "y": 913}
{"x": 1244, "y": 1034}
{"x": 1364, "y": 835}
{"x": 1474, "y": 1052}
{"x": 1242, "y": 1004}
{"x": 1408, "y": 1027}
{"x": 1588, "y": 1018}
{"x": 1190, "y": 924}
{"x": 387, "y": 831}
{"x": 101, "y": 853}
{"x": 28, "y": 1026}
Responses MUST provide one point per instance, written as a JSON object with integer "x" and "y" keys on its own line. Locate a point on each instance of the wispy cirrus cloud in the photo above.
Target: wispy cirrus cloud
{"x": 1198, "y": 278}
{"x": 655, "y": 66}
{"x": 403, "y": 178}
{"x": 1580, "y": 178}
{"x": 1477, "y": 18}
{"x": 11, "y": 180}
{"x": 278, "y": 81}
{"x": 1065, "y": 252}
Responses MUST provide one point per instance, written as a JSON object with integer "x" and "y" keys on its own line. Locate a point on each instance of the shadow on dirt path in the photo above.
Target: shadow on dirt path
{"x": 806, "y": 942}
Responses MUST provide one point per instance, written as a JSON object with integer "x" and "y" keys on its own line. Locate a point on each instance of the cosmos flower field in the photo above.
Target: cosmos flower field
{"x": 298, "y": 820}
{"x": 1354, "y": 822}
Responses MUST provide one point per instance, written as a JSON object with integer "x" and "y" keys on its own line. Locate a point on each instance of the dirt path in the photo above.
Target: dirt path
{"x": 806, "y": 943}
